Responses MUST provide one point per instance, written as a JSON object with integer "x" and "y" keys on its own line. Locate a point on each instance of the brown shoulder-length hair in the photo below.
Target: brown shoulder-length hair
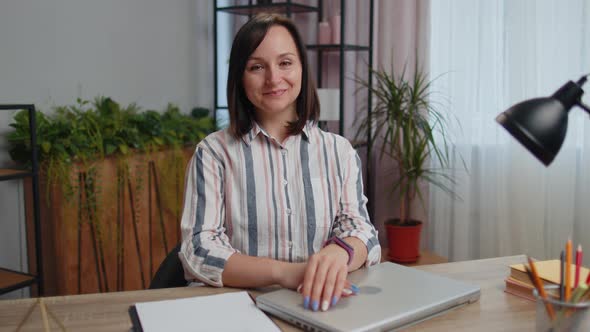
{"x": 241, "y": 110}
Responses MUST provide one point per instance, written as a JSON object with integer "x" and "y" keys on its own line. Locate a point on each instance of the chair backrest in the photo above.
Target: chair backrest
{"x": 170, "y": 273}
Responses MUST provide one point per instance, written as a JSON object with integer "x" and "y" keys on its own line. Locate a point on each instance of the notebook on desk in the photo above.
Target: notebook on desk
{"x": 391, "y": 296}
{"x": 221, "y": 312}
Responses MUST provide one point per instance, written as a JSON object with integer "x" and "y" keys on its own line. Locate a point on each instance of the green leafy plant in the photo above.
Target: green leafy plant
{"x": 89, "y": 131}
{"x": 86, "y": 131}
{"x": 411, "y": 131}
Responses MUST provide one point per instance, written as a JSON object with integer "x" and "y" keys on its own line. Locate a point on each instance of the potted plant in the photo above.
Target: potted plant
{"x": 413, "y": 133}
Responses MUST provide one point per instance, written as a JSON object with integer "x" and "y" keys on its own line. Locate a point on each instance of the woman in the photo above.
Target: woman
{"x": 273, "y": 199}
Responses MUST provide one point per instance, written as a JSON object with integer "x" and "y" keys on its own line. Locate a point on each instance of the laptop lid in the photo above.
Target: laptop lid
{"x": 391, "y": 296}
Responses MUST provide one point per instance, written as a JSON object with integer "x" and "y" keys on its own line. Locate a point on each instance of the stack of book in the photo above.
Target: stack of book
{"x": 518, "y": 282}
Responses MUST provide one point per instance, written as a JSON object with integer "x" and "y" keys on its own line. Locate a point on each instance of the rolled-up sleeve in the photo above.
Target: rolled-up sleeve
{"x": 353, "y": 218}
{"x": 205, "y": 245}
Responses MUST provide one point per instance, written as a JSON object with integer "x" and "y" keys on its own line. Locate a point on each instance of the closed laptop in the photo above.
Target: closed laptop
{"x": 391, "y": 296}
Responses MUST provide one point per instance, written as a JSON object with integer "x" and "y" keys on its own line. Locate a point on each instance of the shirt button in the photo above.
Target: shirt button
{"x": 290, "y": 244}
{"x": 284, "y": 152}
{"x": 288, "y": 211}
{"x": 285, "y": 182}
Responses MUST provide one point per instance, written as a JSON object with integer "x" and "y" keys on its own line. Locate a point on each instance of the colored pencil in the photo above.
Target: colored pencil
{"x": 578, "y": 264}
{"x": 568, "y": 265}
{"x": 539, "y": 285}
{"x": 562, "y": 276}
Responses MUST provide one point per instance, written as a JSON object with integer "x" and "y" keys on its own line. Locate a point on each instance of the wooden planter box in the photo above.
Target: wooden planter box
{"x": 112, "y": 231}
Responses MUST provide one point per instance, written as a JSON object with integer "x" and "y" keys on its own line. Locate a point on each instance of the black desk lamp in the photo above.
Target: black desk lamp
{"x": 540, "y": 123}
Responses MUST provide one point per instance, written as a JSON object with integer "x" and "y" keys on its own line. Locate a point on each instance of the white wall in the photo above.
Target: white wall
{"x": 51, "y": 52}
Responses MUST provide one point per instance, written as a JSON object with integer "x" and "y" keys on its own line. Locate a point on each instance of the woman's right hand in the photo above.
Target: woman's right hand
{"x": 290, "y": 275}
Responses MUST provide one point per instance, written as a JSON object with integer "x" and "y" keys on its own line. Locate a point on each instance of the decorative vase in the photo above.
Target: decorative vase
{"x": 335, "y": 27}
{"x": 324, "y": 33}
{"x": 403, "y": 240}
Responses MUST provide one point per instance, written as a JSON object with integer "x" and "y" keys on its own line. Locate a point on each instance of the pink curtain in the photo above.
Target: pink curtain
{"x": 401, "y": 30}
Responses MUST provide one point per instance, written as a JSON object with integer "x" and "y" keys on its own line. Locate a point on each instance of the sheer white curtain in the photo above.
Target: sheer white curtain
{"x": 492, "y": 54}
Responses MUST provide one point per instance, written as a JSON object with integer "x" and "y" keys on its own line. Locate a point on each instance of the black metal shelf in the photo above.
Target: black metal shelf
{"x": 275, "y": 7}
{"x": 15, "y": 106}
{"x": 11, "y": 280}
{"x": 359, "y": 144}
{"x": 336, "y": 47}
{"x": 11, "y": 174}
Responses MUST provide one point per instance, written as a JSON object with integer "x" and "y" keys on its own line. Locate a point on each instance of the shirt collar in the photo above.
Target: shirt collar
{"x": 249, "y": 136}
{"x": 256, "y": 129}
{"x": 309, "y": 126}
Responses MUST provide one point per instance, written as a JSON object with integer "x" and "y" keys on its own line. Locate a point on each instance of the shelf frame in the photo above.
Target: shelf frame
{"x": 336, "y": 47}
{"x": 12, "y": 174}
{"x": 17, "y": 280}
{"x": 287, "y": 7}
{"x": 33, "y": 173}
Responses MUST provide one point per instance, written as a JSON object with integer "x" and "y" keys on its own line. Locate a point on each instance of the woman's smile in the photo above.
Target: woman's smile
{"x": 275, "y": 93}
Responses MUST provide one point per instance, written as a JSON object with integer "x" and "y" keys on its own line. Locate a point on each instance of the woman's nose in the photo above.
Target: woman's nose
{"x": 273, "y": 76}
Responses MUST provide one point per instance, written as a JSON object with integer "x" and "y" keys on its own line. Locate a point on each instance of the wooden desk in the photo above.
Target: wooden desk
{"x": 495, "y": 311}
{"x": 426, "y": 258}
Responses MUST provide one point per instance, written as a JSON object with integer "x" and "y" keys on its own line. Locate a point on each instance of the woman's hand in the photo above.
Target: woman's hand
{"x": 324, "y": 278}
{"x": 289, "y": 275}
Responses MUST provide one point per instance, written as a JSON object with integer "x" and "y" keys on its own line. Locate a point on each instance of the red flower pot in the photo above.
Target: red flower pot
{"x": 403, "y": 240}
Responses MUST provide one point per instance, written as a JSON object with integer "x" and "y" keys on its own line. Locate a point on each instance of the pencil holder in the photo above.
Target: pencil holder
{"x": 568, "y": 316}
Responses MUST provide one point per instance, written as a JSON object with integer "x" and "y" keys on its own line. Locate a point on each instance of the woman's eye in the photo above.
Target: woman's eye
{"x": 255, "y": 67}
{"x": 285, "y": 63}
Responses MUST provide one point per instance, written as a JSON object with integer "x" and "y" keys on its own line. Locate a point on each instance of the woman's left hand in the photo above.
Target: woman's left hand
{"x": 324, "y": 278}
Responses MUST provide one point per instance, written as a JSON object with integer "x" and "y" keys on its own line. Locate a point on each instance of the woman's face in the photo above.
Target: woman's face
{"x": 272, "y": 77}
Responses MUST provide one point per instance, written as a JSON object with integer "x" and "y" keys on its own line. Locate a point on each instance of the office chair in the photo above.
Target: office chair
{"x": 170, "y": 273}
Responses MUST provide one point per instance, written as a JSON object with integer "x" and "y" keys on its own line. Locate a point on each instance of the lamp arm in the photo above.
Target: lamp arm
{"x": 581, "y": 82}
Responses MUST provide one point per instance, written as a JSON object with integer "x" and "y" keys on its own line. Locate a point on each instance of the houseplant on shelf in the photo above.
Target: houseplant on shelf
{"x": 414, "y": 134}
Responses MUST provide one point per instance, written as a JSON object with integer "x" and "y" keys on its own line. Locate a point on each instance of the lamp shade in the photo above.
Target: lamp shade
{"x": 540, "y": 124}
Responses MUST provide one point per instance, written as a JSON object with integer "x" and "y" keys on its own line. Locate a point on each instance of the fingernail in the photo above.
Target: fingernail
{"x": 354, "y": 288}
{"x": 334, "y": 300}
{"x": 299, "y": 288}
{"x": 325, "y": 305}
{"x": 306, "y": 302}
{"x": 346, "y": 291}
{"x": 315, "y": 305}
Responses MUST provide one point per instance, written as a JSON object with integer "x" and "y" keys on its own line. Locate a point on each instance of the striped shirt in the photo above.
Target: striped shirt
{"x": 262, "y": 198}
